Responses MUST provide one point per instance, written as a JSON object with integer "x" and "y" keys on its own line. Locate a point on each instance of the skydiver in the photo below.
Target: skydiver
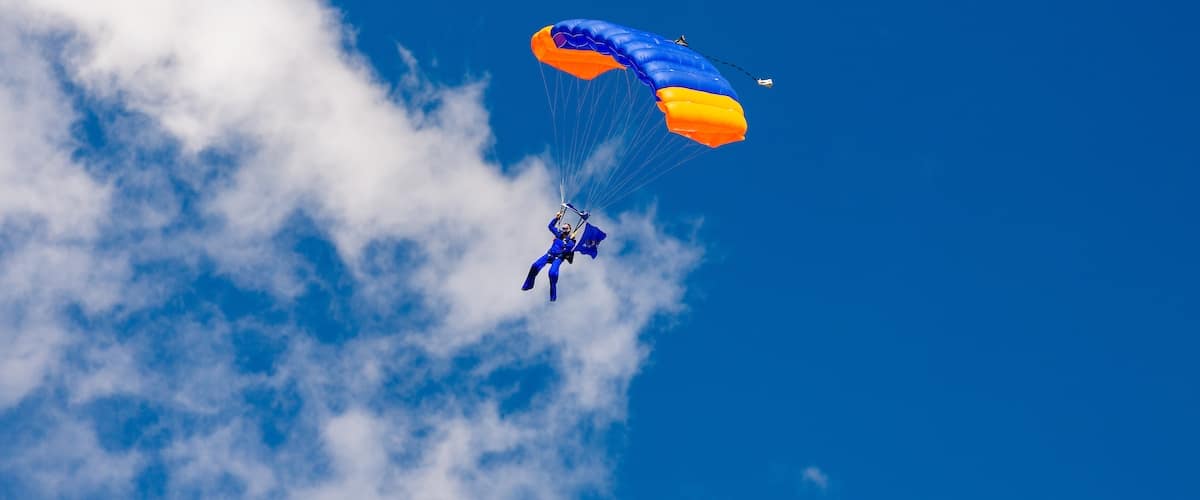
{"x": 560, "y": 249}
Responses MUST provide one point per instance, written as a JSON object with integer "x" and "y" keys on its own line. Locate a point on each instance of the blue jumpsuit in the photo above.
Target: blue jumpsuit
{"x": 563, "y": 244}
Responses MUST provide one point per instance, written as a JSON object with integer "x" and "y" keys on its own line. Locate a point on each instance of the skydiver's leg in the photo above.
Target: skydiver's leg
{"x": 533, "y": 271}
{"x": 554, "y": 279}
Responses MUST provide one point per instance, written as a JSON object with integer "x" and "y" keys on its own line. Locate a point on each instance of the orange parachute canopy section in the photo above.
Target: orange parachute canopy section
{"x": 698, "y": 102}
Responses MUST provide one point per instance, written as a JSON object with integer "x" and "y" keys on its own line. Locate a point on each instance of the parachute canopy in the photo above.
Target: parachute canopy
{"x": 697, "y": 101}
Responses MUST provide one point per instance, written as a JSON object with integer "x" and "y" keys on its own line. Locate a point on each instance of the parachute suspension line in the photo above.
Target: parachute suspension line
{"x": 621, "y": 123}
{"x": 566, "y": 149}
{"x": 588, "y": 105}
{"x": 582, "y": 91}
{"x": 631, "y": 107}
{"x": 571, "y": 164}
{"x": 591, "y": 129}
{"x": 591, "y": 101}
{"x": 639, "y": 160}
{"x": 598, "y": 94}
{"x": 567, "y": 102}
{"x": 650, "y": 147}
{"x": 607, "y": 108}
{"x": 613, "y": 134}
{"x": 633, "y": 142}
{"x": 559, "y": 138}
{"x": 636, "y": 187}
{"x": 647, "y": 143}
{"x": 553, "y": 119}
{"x": 598, "y": 134}
{"x": 546, "y": 87}
{"x": 650, "y": 168}
{"x": 643, "y": 136}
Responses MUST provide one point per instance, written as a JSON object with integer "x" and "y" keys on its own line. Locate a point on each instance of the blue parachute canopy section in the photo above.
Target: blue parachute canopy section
{"x": 591, "y": 238}
{"x": 658, "y": 62}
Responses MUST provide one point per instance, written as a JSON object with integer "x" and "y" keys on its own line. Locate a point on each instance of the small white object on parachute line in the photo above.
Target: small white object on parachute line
{"x": 766, "y": 82}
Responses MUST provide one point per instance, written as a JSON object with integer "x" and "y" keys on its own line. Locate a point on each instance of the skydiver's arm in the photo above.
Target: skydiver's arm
{"x": 553, "y": 222}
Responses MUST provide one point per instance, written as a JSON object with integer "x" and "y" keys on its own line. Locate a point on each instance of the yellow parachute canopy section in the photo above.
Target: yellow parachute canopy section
{"x": 698, "y": 102}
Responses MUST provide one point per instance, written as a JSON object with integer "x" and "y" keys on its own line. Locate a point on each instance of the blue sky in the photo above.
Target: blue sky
{"x": 954, "y": 258}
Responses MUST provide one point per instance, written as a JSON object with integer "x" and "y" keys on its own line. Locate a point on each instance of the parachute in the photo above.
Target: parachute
{"x": 611, "y": 136}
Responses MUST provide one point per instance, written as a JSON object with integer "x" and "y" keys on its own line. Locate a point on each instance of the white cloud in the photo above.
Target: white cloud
{"x": 815, "y": 477}
{"x": 300, "y": 127}
{"x": 61, "y": 457}
{"x": 201, "y": 463}
{"x": 50, "y": 209}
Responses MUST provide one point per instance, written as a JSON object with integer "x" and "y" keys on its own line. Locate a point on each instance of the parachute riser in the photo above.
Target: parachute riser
{"x": 583, "y": 217}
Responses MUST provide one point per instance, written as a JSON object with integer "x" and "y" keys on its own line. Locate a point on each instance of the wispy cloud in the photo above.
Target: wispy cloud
{"x": 281, "y": 276}
{"x": 814, "y": 476}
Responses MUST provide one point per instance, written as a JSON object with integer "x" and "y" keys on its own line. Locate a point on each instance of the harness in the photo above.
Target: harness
{"x": 568, "y": 255}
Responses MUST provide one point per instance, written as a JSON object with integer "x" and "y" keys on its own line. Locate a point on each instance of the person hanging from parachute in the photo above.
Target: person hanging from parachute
{"x": 564, "y": 246}
{"x": 623, "y": 139}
